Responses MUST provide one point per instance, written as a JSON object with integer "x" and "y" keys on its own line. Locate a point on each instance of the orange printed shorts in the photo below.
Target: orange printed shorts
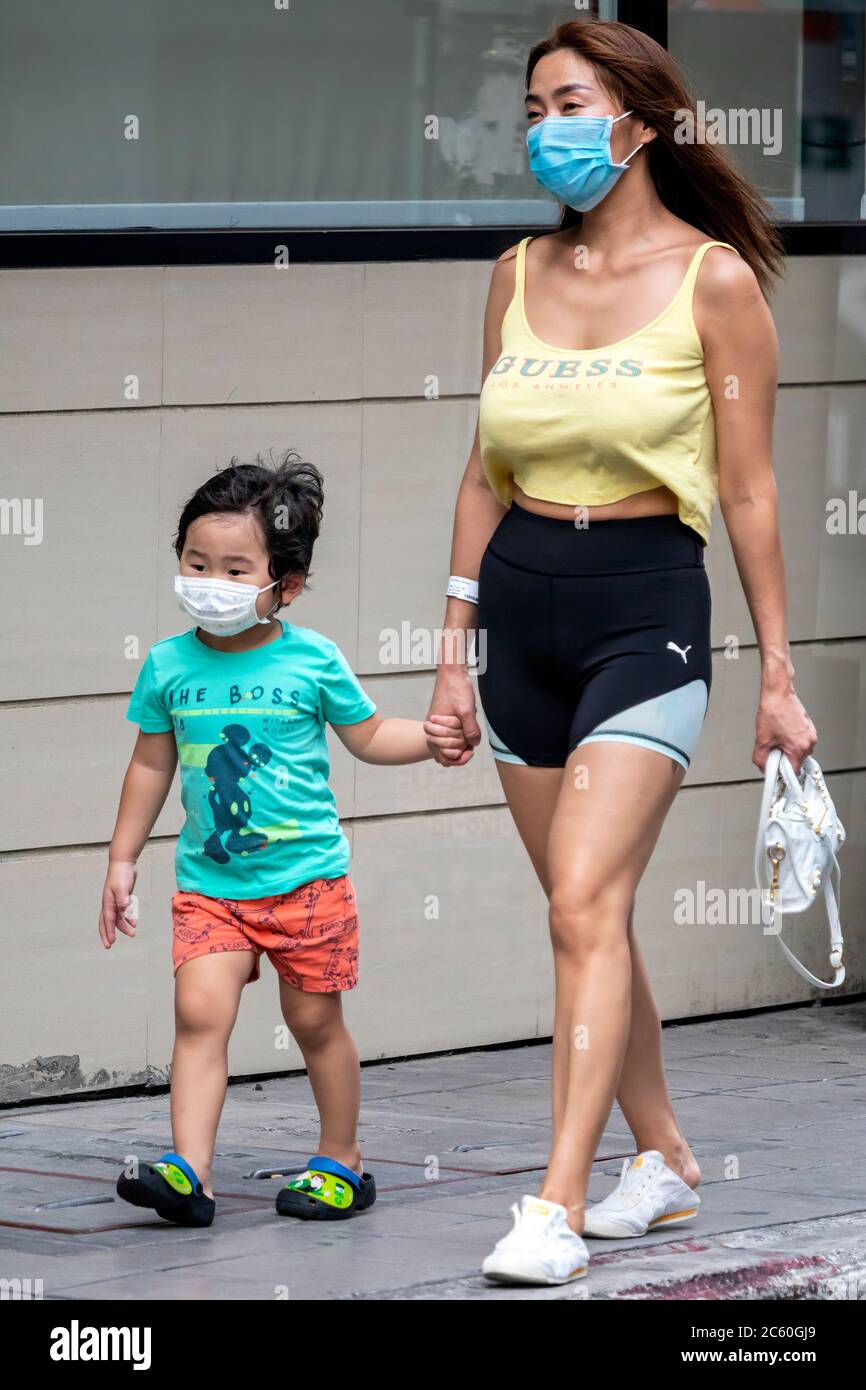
{"x": 310, "y": 935}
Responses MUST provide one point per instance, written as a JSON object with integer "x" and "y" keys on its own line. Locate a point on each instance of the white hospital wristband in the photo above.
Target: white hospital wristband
{"x": 463, "y": 588}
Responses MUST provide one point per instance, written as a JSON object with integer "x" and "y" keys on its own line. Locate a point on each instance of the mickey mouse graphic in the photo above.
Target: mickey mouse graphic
{"x": 225, "y": 769}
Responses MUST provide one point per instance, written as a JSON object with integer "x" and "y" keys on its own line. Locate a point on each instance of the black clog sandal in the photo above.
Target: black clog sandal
{"x": 326, "y": 1191}
{"x": 171, "y": 1188}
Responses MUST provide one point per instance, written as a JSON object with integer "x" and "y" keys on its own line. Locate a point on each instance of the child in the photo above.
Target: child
{"x": 243, "y": 698}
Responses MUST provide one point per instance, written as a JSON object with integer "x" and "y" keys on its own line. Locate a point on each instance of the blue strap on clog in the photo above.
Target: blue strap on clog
{"x": 330, "y": 1165}
{"x": 184, "y": 1167}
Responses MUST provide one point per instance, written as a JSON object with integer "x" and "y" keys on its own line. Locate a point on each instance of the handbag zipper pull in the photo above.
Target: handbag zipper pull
{"x": 776, "y": 860}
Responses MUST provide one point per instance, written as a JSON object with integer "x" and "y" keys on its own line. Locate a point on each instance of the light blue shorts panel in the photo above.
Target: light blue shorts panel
{"x": 670, "y": 723}
{"x": 499, "y": 750}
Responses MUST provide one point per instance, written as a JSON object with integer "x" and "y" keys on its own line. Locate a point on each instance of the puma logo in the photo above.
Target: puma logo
{"x": 672, "y": 647}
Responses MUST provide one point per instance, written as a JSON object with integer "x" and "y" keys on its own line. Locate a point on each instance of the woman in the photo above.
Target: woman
{"x": 583, "y": 516}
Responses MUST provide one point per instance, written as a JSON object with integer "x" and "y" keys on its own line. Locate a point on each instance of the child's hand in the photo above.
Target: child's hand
{"x": 446, "y": 731}
{"x": 116, "y": 902}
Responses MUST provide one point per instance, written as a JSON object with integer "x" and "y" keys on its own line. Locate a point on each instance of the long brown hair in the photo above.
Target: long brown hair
{"x": 696, "y": 181}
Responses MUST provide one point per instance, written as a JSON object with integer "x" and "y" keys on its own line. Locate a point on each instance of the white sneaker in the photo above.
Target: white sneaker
{"x": 649, "y": 1195}
{"x": 541, "y": 1247}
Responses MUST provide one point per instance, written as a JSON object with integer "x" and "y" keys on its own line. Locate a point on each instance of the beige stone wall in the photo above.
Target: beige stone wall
{"x": 333, "y": 360}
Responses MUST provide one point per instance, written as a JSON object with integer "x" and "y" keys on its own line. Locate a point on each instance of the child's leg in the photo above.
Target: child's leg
{"x": 316, "y": 1023}
{"x": 206, "y": 998}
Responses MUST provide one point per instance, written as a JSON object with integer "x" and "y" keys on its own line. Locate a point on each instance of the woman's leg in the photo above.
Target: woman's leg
{"x": 316, "y": 1023}
{"x": 604, "y": 829}
{"x": 532, "y": 794}
{"x": 207, "y": 993}
{"x": 643, "y": 1089}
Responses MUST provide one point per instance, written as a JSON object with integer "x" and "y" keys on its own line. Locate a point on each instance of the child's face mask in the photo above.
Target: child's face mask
{"x": 223, "y": 607}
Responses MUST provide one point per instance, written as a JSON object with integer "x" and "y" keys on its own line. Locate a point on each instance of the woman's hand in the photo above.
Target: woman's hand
{"x": 117, "y": 902}
{"x": 454, "y": 694}
{"x": 782, "y": 723}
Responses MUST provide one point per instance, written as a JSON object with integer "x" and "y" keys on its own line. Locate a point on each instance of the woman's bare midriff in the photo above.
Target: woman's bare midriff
{"x": 656, "y": 502}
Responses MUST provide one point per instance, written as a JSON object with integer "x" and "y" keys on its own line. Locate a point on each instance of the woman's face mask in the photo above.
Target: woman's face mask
{"x": 570, "y": 157}
{"x": 223, "y": 607}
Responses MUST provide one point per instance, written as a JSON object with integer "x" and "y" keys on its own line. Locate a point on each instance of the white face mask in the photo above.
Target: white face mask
{"x": 223, "y": 607}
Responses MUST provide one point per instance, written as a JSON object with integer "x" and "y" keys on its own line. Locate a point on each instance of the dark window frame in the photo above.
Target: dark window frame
{"x": 153, "y": 246}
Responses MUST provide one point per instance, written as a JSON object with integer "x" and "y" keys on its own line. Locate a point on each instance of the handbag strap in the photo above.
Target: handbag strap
{"x": 836, "y": 942}
{"x": 771, "y": 772}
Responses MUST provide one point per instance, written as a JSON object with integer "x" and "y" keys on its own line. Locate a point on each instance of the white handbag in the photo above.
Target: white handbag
{"x": 799, "y": 833}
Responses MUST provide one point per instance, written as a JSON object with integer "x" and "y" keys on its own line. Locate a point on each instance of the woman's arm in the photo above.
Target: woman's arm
{"x": 742, "y": 359}
{"x": 476, "y": 516}
{"x": 145, "y": 788}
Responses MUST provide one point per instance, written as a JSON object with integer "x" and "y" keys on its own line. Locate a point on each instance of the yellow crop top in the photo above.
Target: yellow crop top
{"x": 591, "y": 427}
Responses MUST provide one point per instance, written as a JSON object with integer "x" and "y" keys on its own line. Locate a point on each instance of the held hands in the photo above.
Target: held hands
{"x": 116, "y": 902}
{"x": 452, "y": 706}
{"x": 445, "y": 737}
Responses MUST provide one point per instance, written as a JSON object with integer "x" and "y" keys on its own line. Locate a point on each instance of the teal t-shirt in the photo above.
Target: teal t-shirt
{"x": 250, "y": 733}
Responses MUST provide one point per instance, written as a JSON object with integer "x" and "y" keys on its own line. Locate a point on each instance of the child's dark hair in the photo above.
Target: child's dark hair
{"x": 285, "y": 497}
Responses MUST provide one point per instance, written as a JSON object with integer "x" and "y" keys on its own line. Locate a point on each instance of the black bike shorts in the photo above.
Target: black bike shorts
{"x": 594, "y": 633}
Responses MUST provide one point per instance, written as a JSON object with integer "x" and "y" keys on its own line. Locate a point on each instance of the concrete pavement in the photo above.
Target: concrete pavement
{"x": 772, "y": 1104}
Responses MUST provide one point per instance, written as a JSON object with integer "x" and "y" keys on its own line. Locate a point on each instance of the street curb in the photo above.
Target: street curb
{"x": 815, "y": 1259}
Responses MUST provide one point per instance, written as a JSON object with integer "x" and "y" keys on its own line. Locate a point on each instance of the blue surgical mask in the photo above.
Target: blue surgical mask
{"x": 570, "y": 156}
